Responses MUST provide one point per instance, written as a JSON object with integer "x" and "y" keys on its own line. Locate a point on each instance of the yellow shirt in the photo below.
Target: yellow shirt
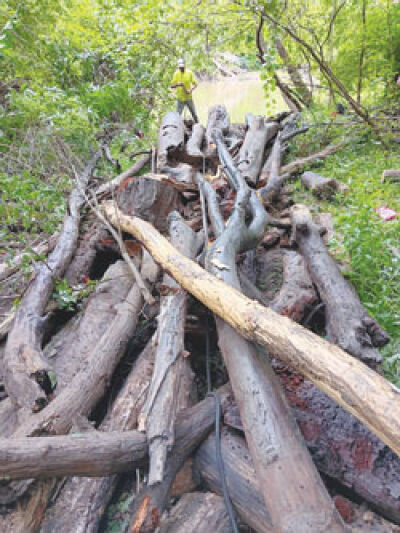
{"x": 188, "y": 80}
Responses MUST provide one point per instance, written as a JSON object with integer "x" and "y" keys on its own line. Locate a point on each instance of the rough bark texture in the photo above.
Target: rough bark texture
{"x": 171, "y": 138}
{"x": 82, "y": 502}
{"x": 368, "y": 396}
{"x": 197, "y": 512}
{"x": 193, "y": 425}
{"x": 150, "y": 199}
{"x": 159, "y": 412}
{"x": 26, "y": 368}
{"x": 347, "y": 322}
{"x": 321, "y": 187}
{"x": 251, "y": 154}
{"x": 241, "y": 479}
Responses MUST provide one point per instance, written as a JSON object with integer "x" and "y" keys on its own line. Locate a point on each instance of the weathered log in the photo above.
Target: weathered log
{"x": 360, "y": 390}
{"x": 110, "y": 186}
{"x": 241, "y": 478}
{"x": 275, "y": 180}
{"x": 299, "y": 164}
{"x": 389, "y": 175}
{"x": 82, "y": 501}
{"x": 193, "y": 425}
{"x": 193, "y": 152}
{"x": 171, "y": 138}
{"x": 348, "y": 324}
{"x": 321, "y": 187}
{"x": 26, "y": 369}
{"x": 150, "y": 199}
{"x": 89, "y": 454}
{"x": 182, "y": 173}
{"x": 218, "y": 119}
{"x": 251, "y": 154}
{"x": 88, "y": 386}
{"x": 160, "y": 410}
{"x": 197, "y": 512}
{"x": 274, "y": 440}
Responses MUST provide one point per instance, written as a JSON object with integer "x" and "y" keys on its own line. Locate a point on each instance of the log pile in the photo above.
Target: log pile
{"x": 218, "y": 263}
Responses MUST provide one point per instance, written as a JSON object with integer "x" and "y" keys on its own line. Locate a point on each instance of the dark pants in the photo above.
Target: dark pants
{"x": 190, "y": 105}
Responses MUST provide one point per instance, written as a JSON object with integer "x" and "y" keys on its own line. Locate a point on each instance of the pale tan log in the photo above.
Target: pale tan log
{"x": 360, "y": 390}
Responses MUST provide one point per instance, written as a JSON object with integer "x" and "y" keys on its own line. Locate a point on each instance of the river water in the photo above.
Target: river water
{"x": 240, "y": 94}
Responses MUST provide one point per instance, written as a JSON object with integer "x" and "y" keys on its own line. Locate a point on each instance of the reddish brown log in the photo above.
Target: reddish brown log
{"x": 347, "y": 322}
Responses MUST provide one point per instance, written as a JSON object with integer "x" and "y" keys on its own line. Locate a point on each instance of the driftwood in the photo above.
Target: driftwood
{"x": 218, "y": 119}
{"x": 81, "y": 502}
{"x": 89, "y": 454}
{"x": 241, "y": 479}
{"x": 274, "y": 440}
{"x": 347, "y": 322}
{"x": 251, "y": 154}
{"x": 193, "y": 425}
{"x": 110, "y": 186}
{"x": 159, "y": 412}
{"x": 299, "y": 164}
{"x": 26, "y": 369}
{"x": 197, "y": 512}
{"x": 88, "y": 386}
{"x": 150, "y": 199}
{"x": 368, "y": 396}
{"x": 321, "y": 187}
{"x": 182, "y": 173}
{"x": 390, "y": 175}
{"x": 193, "y": 152}
{"x": 271, "y": 173}
{"x": 170, "y": 138}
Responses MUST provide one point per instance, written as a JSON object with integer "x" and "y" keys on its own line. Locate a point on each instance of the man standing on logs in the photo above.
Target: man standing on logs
{"x": 185, "y": 83}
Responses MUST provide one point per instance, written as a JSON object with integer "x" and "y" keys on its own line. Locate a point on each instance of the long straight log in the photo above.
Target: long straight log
{"x": 89, "y": 454}
{"x": 292, "y": 489}
{"x": 360, "y": 390}
{"x": 299, "y": 164}
{"x": 160, "y": 410}
{"x": 347, "y": 322}
{"x": 241, "y": 479}
{"x": 170, "y": 138}
{"x": 82, "y": 501}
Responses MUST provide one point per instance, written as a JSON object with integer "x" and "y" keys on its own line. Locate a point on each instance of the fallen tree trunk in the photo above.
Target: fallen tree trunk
{"x": 347, "y": 322}
{"x": 197, "y": 512}
{"x": 171, "y": 138}
{"x": 361, "y": 391}
{"x": 321, "y": 187}
{"x": 390, "y": 175}
{"x": 274, "y": 440}
{"x": 88, "y": 386}
{"x": 271, "y": 174}
{"x": 193, "y": 425}
{"x": 251, "y": 154}
{"x": 241, "y": 479}
{"x": 89, "y": 454}
{"x": 299, "y": 164}
{"x": 82, "y": 501}
{"x": 218, "y": 119}
{"x": 193, "y": 152}
{"x": 26, "y": 369}
{"x": 159, "y": 412}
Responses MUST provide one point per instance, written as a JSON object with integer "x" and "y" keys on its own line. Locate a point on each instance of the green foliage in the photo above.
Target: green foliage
{"x": 69, "y": 297}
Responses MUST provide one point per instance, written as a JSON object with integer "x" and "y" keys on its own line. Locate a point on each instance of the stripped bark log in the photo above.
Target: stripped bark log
{"x": 150, "y": 199}
{"x": 89, "y": 454}
{"x": 193, "y": 152}
{"x": 82, "y": 502}
{"x": 272, "y": 175}
{"x": 321, "y": 187}
{"x": 197, "y": 512}
{"x": 26, "y": 369}
{"x": 241, "y": 479}
{"x": 159, "y": 412}
{"x": 171, "y": 138}
{"x": 218, "y": 119}
{"x": 88, "y": 386}
{"x": 109, "y": 187}
{"x": 391, "y": 175}
{"x": 251, "y": 154}
{"x": 361, "y": 391}
{"x": 299, "y": 164}
{"x": 274, "y": 440}
{"x": 347, "y": 322}
{"x": 182, "y": 173}
{"x": 193, "y": 425}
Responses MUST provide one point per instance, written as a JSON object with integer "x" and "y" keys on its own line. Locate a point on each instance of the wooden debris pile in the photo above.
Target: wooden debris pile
{"x": 205, "y": 255}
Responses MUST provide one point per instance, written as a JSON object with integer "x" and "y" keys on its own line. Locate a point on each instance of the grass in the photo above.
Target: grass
{"x": 368, "y": 246}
